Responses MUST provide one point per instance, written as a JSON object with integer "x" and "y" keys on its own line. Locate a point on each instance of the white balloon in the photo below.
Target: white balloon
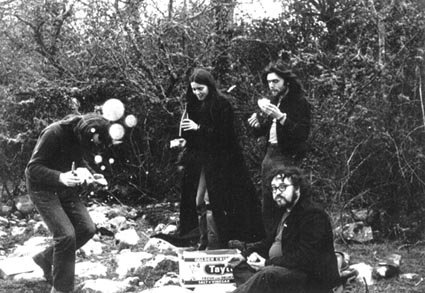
{"x": 98, "y": 159}
{"x": 116, "y": 131}
{"x": 113, "y": 109}
{"x": 130, "y": 121}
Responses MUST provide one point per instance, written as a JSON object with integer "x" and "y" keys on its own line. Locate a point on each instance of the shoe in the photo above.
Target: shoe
{"x": 45, "y": 266}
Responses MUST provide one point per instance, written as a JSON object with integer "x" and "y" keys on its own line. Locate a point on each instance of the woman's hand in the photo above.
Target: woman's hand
{"x": 188, "y": 124}
{"x": 256, "y": 261}
{"x": 253, "y": 121}
{"x": 177, "y": 143}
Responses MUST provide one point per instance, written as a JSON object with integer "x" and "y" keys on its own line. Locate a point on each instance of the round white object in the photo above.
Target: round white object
{"x": 116, "y": 131}
{"x": 130, "y": 121}
{"x": 113, "y": 109}
{"x": 98, "y": 159}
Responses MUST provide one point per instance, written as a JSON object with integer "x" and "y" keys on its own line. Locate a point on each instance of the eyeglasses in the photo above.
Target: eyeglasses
{"x": 281, "y": 187}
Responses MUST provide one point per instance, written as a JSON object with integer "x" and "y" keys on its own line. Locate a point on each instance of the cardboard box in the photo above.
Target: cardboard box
{"x": 198, "y": 268}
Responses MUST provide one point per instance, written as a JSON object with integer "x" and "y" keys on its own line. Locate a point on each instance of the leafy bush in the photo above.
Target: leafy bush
{"x": 361, "y": 65}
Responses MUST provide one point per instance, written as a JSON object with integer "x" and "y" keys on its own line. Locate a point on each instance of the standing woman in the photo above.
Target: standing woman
{"x": 216, "y": 184}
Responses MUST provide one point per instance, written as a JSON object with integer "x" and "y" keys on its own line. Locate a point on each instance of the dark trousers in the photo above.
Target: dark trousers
{"x": 69, "y": 221}
{"x": 273, "y": 158}
{"x": 272, "y": 279}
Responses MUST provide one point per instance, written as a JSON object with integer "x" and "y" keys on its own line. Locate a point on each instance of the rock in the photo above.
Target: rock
{"x": 24, "y": 204}
{"x": 36, "y": 275}
{"x": 17, "y": 231}
{"x": 154, "y": 269}
{"x": 90, "y": 269}
{"x": 132, "y": 281}
{"x": 128, "y": 261}
{"x": 32, "y": 246}
{"x": 118, "y": 223}
{"x": 16, "y": 265}
{"x": 170, "y": 278}
{"x": 156, "y": 245}
{"x": 357, "y": 232}
{"x": 159, "y": 228}
{"x": 5, "y": 209}
{"x": 169, "y": 229}
{"x": 92, "y": 248}
{"x": 167, "y": 260}
{"x": 117, "y": 211}
{"x": 413, "y": 277}
{"x": 99, "y": 218}
{"x": 365, "y": 273}
{"x": 103, "y": 286}
{"x": 127, "y": 237}
{"x": 4, "y": 221}
{"x": 40, "y": 227}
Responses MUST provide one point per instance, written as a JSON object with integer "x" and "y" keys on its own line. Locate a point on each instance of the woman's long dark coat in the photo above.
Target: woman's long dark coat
{"x": 232, "y": 195}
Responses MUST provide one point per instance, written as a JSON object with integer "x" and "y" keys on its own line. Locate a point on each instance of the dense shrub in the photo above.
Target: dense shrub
{"x": 368, "y": 121}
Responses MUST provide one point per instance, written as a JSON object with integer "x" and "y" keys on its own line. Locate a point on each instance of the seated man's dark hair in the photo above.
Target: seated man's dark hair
{"x": 294, "y": 173}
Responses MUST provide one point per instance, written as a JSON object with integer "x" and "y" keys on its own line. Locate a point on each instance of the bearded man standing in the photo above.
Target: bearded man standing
{"x": 285, "y": 120}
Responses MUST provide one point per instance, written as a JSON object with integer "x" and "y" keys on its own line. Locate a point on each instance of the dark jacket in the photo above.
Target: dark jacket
{"x": 232, "y": 195}
{"x": 59, "y": 145}
{"x": 292, "y": 136}
{"x": 307, "y": 245}
{"x": 56, "y": 149}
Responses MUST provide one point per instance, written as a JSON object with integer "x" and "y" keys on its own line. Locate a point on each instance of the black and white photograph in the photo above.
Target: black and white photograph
{"x": 212, "y": 146}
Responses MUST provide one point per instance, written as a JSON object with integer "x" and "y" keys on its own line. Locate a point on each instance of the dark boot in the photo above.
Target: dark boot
{"x": 45, "y": 266}
{"x": 203, "y": 230}
{"x": 213, "y": 235}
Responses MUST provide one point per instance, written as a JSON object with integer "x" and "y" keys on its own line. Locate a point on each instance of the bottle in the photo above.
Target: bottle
{"x": 185, "y": 115}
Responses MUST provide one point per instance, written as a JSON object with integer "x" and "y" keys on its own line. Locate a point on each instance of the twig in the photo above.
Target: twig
{"x": 366, "y": 286}
{"x": 420, "y": 93}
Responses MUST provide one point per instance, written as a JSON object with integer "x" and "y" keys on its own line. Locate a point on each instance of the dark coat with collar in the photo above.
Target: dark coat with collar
{"x": 232, "y": 195}
{"x": 307, "y": 245}
{"x": 293, "y": 134}
{"x": 61, "y": 144}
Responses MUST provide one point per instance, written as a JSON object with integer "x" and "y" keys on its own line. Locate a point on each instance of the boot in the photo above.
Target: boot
{"x": 203, "y": 230}
{"x": 212, "y": 232}
{"x": 45, "y": 266}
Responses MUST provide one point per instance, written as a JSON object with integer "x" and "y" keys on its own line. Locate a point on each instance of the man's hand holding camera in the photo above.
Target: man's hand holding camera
{"x": 80, "y": 176}
{"x": 271, "y": 110}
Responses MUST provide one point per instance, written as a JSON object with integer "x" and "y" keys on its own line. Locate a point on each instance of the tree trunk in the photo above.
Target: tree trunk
{"x": 223, "y": 14}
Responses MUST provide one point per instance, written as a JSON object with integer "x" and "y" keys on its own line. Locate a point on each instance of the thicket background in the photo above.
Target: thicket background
{"x": 361, "y": 62}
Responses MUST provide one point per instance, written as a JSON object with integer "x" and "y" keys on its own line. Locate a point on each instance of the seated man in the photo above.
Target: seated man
{"x": 300, "y": 257}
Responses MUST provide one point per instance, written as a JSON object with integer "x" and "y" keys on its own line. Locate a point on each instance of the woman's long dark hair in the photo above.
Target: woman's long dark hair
{"x": 203, "y": 77}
